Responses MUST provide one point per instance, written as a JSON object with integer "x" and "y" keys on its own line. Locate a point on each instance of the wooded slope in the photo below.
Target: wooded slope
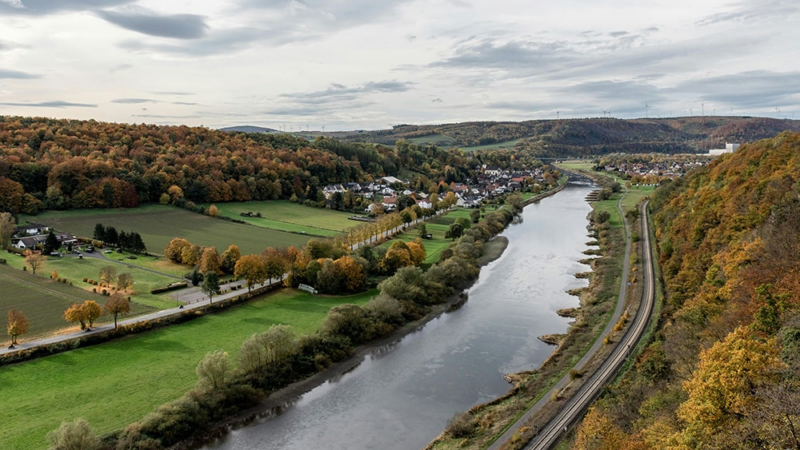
{"x": 723, "y": 368}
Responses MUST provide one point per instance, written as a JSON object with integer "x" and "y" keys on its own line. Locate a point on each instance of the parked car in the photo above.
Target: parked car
{"x": 107, "y": 251}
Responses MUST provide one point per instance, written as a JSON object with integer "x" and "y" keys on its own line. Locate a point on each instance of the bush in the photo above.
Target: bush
{"x": 460, "y": 425}
{"x": 3, "y": 261}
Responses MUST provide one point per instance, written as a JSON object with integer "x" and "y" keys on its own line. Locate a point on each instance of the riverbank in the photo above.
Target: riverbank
{"x": 280, "y": 400}
{"x": 597, "y": 301}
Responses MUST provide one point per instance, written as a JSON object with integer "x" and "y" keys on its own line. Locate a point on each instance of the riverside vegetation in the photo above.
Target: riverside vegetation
{"x": 721, "y": 369}
{"x": 276, "y": 357}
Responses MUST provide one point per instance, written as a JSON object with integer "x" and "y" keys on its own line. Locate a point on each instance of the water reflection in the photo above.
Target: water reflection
{"x": 401, "y": 395}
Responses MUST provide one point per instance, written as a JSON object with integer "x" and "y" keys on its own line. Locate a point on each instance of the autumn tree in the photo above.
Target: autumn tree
{"x": 721, "y": 389}
{"x": 214, "y": 370}
{"x": 117, "y": 305}
{"x": 263, "y": 351}
{"x": 174, "y": 249}
{"x": 210, "y": 261}
{"x": 417, "y": 251}
{"x": 274, "y": 263}
{"x": 124, "y": 281}
{"x": 17, "y": 325}
{"x": 34, "y": 260}
{"x": 92, "y": 312}
{"x": 190, "y": 255}
{"x": 76, "y": 435}
{"x": 352, "y": 272}
{"x": 7, "y": 225}
{"x": 251, "y": 269}
{"x": 229, "y": 258}
{"x": 107, "y": 274}
{"x": 213, "y": 211}
{"x": 210, "y": 285}
{"x": 76, "y": 313}
{"x": 175, "y": 193}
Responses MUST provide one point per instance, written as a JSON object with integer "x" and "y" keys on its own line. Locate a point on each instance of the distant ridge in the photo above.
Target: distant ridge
{"x": 249, "y": 129}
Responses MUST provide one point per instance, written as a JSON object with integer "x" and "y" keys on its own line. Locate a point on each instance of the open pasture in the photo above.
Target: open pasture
{"x": 43, "y": 301}
{"x": 158, "y": 224}
{"x": 292, "y": 217}
{"x": 114, "y": 384}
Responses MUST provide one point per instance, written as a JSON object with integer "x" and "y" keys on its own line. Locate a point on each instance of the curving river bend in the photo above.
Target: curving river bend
{"x": 402, "y": 396}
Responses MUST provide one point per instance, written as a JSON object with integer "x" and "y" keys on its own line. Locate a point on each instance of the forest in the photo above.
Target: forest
{"x": 722, "y": 368}
{"x": 63, "y": 164}
{"x": 593, "y": 136}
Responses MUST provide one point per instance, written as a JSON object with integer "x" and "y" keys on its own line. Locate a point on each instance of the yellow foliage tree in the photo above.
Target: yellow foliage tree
{"x": 34, "y": 260}
{"x": 213, "y": 211}
{"x": 210, "y": 261}
{"x": 598, "y": 432}
{"x": 352, "y": 272}
{"x": 17, "y": 325}
{"x": 417, "y": 251}
{"x": 175, "y": 248}
{"x": 721, "y": 389}
{"x": 252, "y": 269}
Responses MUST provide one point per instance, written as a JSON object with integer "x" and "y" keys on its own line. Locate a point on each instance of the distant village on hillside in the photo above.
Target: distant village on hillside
{"x": 490, "y": 183}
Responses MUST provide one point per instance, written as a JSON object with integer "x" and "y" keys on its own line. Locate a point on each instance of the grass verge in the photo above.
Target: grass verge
{"x": 117, "y": 383}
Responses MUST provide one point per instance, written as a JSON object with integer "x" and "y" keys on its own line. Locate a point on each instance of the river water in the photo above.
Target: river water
{"x": 402, "y": 396}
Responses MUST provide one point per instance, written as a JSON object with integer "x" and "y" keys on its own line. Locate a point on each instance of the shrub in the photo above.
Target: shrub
{"x": 85, "y": 280}
{"x": 460, "y": 425}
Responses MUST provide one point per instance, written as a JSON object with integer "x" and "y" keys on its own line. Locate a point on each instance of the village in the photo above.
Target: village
{"x": 392, "y": 194}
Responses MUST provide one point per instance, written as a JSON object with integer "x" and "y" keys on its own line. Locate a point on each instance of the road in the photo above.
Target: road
{"x": 194, "y": 304}
{"x": 575, "y": 407}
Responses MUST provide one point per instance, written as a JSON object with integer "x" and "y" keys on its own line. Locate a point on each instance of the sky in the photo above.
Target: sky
{"x": 372, "y": 64}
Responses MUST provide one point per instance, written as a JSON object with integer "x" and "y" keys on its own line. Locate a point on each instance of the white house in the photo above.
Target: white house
{"x": 729, "y": 148}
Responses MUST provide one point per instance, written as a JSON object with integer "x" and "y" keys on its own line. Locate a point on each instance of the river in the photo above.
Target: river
{"x": 402, "y": 396}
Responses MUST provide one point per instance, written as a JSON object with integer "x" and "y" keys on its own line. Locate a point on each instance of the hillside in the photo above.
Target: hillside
{"x": 249, "y": 129}
{"x": 722, "y": 369}
{"x": 584, "y": 137}
{"x": 62, "y": 164}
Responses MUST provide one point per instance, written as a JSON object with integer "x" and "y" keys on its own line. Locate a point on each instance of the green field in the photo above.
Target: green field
{"x": 74, "y": 270}
{"x": 436, "y": 227}
{"x": 158, "y": 224}
{"x": 440, "y": 140}
{"x": 43, "y": 300}
{"x": 504, "y": 144}
{"x": 284, "y": 215}
{"x": 114, "y": 384}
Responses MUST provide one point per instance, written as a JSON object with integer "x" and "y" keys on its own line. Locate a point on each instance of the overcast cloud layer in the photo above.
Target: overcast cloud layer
{"x": 365, "y": 64}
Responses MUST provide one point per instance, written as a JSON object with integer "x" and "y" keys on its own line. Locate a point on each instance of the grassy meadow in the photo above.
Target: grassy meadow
{"x": 505, "y": 144}
{"x": 74, "y": 270}
{"x": 114, "y": 384}
{"x": 43, "y": 300}
{"x": 291, "y": 217}
{"x": 158, "y": 224}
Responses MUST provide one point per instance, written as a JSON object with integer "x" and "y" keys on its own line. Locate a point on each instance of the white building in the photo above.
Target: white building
{"x": 729, "y": 148}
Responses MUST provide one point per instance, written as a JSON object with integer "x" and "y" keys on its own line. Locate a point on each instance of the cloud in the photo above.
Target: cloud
{"x": 624, "y": 56}
{"x": 747, "y": 90}
{"x": 330, "y": 14}
{"x": 217, "y": 42}
{"x": 52, "y": 104}
{"x": 171, "y": 93}
{"x": 341, "y": 93}
{"x": 120, "y": 68}
{"x": 754, "y": 10}
{"x": 177, "y": 26}
{"x": 437, "y": 100}
{"x": 17, "y": 75}
{"x": 134, "y": 100}
{"x": 46, "y": 7}
{"x": 185, "y": 103}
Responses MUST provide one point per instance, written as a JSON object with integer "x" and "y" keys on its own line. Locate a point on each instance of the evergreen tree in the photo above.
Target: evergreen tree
{"x": 51, "y": 244}
{"x": 124, "y": 241}
{"x": 99, "y": 232}
{"x": 111, "y": 236}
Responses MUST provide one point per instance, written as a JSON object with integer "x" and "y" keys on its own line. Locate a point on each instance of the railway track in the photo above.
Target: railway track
{"x": 577, "y": 405}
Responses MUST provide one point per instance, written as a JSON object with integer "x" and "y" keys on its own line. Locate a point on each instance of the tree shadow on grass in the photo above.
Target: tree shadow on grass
{"x": 163, "y": 345}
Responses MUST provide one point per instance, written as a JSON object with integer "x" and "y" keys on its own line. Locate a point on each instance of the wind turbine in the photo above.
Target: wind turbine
{"x": 646, "y": 108}
{"x": 557, "y": 115}
{"x": 604, "y": 112}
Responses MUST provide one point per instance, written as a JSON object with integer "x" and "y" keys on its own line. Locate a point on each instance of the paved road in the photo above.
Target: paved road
{"x": 197, "y": 303}
{"x": 575, "y": 407}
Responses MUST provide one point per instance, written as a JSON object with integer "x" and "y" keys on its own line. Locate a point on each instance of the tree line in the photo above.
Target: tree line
{"x": 276, "y": 357}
